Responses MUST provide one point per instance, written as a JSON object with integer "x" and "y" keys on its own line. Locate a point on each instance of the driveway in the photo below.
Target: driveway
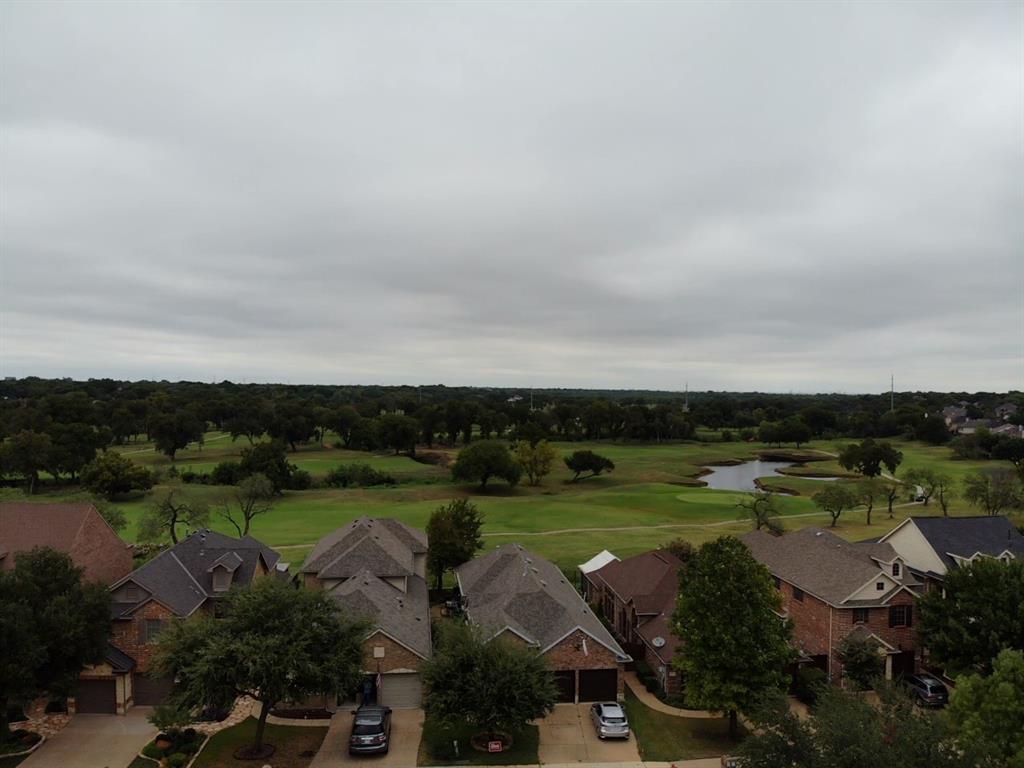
{"x": 568, "y": 736}
{"x": 96, "y": 741}
{"x": 406, "y": 730}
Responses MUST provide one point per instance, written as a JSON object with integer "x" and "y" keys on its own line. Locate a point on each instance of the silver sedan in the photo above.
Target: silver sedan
{"x": 609, "y": 720}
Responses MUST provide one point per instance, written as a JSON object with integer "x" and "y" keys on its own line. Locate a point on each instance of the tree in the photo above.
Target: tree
{"x": 868, "y": 492}
{"x": 52, "y": 623}
{"x": 835, "y": 498}
{"x": 845, "y": 730}
{"x": 682, "y": 549}
{"x": 943, "y": 489}
{"x": 587, "y": 461}
{"x": 171, "y": 432}
{"x": 454, "y": 535}
{"x": 933, "y": 430}
{"x": 399, "y": 432}
{"x": 167, "y": 512}
{"x": 924, "y": 479}
{"x": 276, "y": 643}
{"x": 863, "y": 662}
{"x": 110, "y": 474}
{"x": 732, "y": 651}
{"x": 987, "y": 713}
{"x": 483, "y": 460}
{"x": 1011, "y": 449}
{"x": 793, "y": 430}
{"x": 494, "y": 685}
{"x": 760, "y": 508}
{"x": 977, "y": 614}
{"x": 252, "y": 497}
{"x": 992, "y": 490}
{"x": 868, "y": 457}
{"x": 73, "y": 446}
{"x": 535, "y": 459}
{"x": 269, "y": 460}
{"x": 27, "y": 453}
{"x": 292, "y": 424}
{"x": 891, "y": 491}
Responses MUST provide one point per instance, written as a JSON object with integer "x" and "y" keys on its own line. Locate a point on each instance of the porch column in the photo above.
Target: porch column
{"x": 888, "y": 666}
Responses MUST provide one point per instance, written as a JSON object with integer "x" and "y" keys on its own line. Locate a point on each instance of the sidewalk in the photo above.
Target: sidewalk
{"x": 652, "y": 701}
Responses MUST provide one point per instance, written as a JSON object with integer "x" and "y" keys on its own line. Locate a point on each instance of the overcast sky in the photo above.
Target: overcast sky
{"x": 784, "y": 197}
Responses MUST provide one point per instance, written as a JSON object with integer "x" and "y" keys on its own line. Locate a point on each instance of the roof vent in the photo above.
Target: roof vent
{"x": 658, "y": 642}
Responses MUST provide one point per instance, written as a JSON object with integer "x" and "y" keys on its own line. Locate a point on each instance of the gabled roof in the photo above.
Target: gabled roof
{"x": 382, "y": 546}
{"x": 512, "y": 588}
{"x": 967, "y": 536}
{"x": 402, "y": 616}
{"x": 600, "y": 560}
{"x": 659, "y": 627}
{"x": 649, "y": 580}
{"x": 118, "y": 660}
{"x": 181, "y": 577}
{"x": 826, "y": 566}
{"x": 78, "y": 530}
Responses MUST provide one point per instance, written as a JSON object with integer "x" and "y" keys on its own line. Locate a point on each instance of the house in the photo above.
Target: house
{"x": 933, "y": 546}
{"x": 376, "y": 569}
{"x": 1006, "y": 411}
{"x": 970, "y": 426}
{"x": 514, "y": 594}
{"x": 189, "y": 578}
{"x": 832, "y": 589}
{"x": 78, "y": 530}
{"x": 600, "y": 560}
{"x": 954, "y": 414}
{"x": 637, "y": 596}
{"x": 1008, "y": 429}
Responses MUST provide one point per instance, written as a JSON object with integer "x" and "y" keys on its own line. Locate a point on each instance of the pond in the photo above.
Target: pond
{"x": 740, "y": 477}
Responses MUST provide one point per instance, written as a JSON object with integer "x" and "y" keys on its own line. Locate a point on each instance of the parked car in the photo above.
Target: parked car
{"x": 927, "y": 690}
{"x": 728, "y": 761}
{"x": 609, "y": 720}
{"x": 371, "y": 731}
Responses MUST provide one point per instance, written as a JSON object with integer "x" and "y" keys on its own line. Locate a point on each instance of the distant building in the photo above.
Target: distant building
{"x": 1006, "y": 411}
{"x": 954, "y": 414}
{"x": 970, "y": 426}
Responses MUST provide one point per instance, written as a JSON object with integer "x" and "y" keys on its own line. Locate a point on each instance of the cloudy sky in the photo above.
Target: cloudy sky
{"x": 783, "y": 197}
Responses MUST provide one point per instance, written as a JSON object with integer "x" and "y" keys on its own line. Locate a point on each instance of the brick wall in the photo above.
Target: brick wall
{"x": 568, "y": 654}
{"x": 672, "y": 682}
{"x": 126, "y": 634}
{"x": 395, "y": 655}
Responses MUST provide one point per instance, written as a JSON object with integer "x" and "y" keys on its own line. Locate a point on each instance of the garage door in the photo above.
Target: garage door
{"x": 150, "y": 691}
{"x": 96, "y": 697}
{"x": 566, "y": 682}
{"x": 599, "y": 684}
{"x": 401, "y": 690}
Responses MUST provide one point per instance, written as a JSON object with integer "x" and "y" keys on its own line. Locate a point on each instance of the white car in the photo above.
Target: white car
{"x": 609, "y": 720}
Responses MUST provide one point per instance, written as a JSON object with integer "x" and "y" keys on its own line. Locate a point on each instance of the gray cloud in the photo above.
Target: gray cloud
{"x": 745, "y": 196}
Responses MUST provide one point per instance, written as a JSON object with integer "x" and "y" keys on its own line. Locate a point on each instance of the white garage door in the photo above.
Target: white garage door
{"x": 402, "y": 690}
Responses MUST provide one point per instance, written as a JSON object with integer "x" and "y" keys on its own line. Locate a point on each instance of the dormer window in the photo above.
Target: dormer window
{"x": 131, "y": 593}
{"x": 221, "y": 580}
{"x": 896, "y": 570}
{"x": 880, "y": 586}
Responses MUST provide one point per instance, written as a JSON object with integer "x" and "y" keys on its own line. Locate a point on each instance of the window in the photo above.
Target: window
{"x": 880, "y": 586}
{"x": 221, "y": 580}
{"x": 896, "y": 570}
{"x": 860, "y": 615}
{"x": 901, "y": 616}
{"x": 150, "y": 630}
{"x": 131, "y": 593}
{"x": 798, "y": 594}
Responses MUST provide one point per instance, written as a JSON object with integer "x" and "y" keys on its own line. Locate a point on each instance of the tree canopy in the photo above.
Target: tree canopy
{"x": 479, "y": 462}
{"x": 535, "y": 459}
{"x": 587, "y": 461}
{"x": 110, "y": 475}
{"x": 987, "y": 712}
{"x": 835, "y": 498}
{"x": 170, "y": 510}
{"x": 454, "y": 535}
{"x": 868, "y": 457}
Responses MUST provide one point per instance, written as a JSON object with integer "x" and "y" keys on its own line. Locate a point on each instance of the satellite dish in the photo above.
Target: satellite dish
{"x": 658, "y": 642}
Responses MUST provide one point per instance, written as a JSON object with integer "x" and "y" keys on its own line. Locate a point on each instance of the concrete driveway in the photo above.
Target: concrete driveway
{"x": 96, "y": 741}
{"x": 568, "y": 736}
{"x": 406, "y": 730}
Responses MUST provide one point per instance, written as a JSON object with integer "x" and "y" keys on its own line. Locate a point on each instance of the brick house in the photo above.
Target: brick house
{"x": 512, "y": 593}
{"x": 637, "y": 597}
{"x": 190, "y": 577}
{"x": 933, "y": 546}
{"x": 376, "y": 569}
{"x": 832, "y": 589}
{"x": 77, "y": 530}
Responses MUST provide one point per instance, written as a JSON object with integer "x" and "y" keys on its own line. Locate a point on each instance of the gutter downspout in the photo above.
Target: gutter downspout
{"x": 830, "y": 643}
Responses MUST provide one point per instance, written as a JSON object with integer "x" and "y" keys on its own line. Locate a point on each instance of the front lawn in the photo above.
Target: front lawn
{"x": 11, "y": 762}
{"x": 296, "y": 746}
{"x": 436, "y": 747}
{"x": 663, "y": 738}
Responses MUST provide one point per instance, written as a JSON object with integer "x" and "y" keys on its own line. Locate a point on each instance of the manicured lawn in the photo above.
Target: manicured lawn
{"x": 11, "y": 762}
{"x": 436, "y": 748}
{"x": 647, "y": 500}
{"x": 296, "y": 746}
{"x": 664, "y": 738}
{"x": 143, "y": 762}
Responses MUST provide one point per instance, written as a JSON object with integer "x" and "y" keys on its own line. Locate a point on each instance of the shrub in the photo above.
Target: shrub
{"x": 651, "y": 684}
{"x": 808, "y": 685}
{"x": 177, "y": 760}
{"x": 346, "y": 475}
{"x": 227, "y": 473}
{"x": 300, "y": 480}
{"x": 153, "y": 752}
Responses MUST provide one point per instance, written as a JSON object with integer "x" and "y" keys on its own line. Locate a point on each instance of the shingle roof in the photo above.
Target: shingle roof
{"x": 659, "y": 627}
{"x": 383, "y": 546}
{"x": 966, "y": 536}
{"x": 649, "y": 579}
{"x": 821, "y": 563}
{"x": 405, "y": 616}
{"x": 181, "y": 577}
{"x": 78, "y": 530}
{"x": 510, "y": 587}
{"x": 118, "y": 659}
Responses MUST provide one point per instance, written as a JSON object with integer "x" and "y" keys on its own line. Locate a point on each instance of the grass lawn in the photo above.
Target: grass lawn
{"x": 436, "y": 748}
{"x": 296, "y": 746}
{"x": 143, "y": 762}
{"x": 664, "y": 738}
{"x": 11, "y": 762}
{"x": 650, "y": 497}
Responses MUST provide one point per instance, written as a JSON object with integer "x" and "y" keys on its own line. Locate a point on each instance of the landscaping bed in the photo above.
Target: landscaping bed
{"x": 295, "y": 746}
{"x": 436, "y": 747}
{"x": 662, "y": 737}
{"x": 177, "y": 747}
{"x": 20, "y": 741}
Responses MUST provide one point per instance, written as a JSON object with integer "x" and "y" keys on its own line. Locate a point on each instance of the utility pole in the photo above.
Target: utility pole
{"x": 686, "y": 398}
{"x": 892, "y": 393}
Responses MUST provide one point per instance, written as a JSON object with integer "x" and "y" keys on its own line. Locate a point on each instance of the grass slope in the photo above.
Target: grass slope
{"x": 663, "y": 738}
{"x": 296, "y": 746}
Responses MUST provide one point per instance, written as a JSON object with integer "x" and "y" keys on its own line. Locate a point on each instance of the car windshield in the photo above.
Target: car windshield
{"x": 366, "y": 729}
{"x": 612, "y": 719}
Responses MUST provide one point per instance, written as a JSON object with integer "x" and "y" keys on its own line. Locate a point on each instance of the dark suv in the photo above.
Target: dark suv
{"x": 926, "y": 690}
{"x": 371, "y": 731}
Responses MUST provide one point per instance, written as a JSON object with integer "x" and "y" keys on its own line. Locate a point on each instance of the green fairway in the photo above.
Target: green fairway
{"x": 651, "y": 497}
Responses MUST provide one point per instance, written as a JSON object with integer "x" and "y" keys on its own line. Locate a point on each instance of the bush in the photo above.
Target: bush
{"x": 227, "y": 473}
{"x": 56, "y": 705}
{"x": 727, "y": 436}
{"x": 809, "y": 683}
{"x": 300, "y": 480}
{"x": 351, "y": 475}
{"x": 177, "y": 760}
{"x": 153, "y": 752}
{"x": 651, "y": 684}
